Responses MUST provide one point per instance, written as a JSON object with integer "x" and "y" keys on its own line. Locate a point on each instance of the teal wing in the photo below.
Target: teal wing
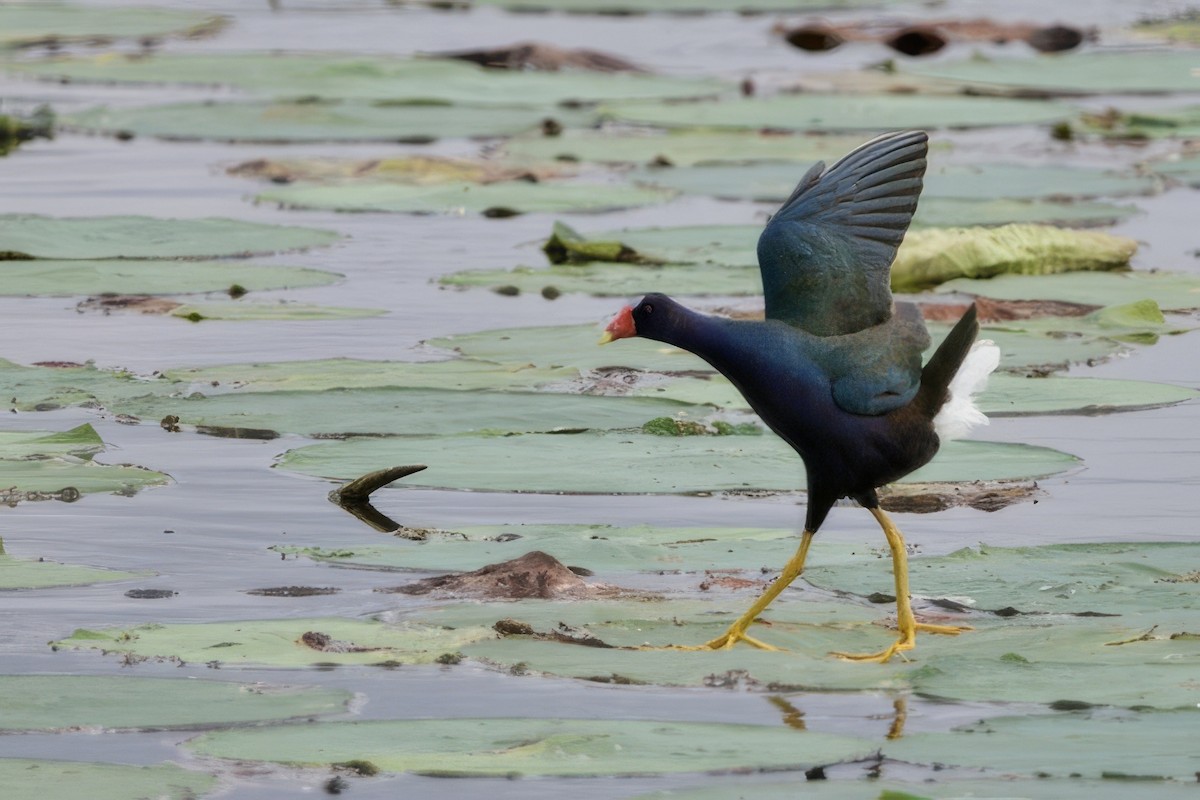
{"x": 826, "y": 255}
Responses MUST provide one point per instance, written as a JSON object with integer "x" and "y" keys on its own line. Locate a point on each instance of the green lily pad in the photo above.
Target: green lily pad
{"x": 1051, "y": 660}
{"x": 1082, "y": 73}
{"x": 408, "y": 411}
{"x": 506, "y": 747}
{"x": 31, "y": 24}
{"x": 596, "y": 547}
{"x": 819, "y": 112}
{"x": 37, "y": 464}
{"x": 774, "y": 182}
{"x": 378, "y": 78}
{"x": 1008, "y": 395}
{"x": 636, "y": 463}
{"x": 281, "y": 642}
{"x": 50, "y": 278}
{"x": 282, "y": 311}
{"x": 625, "y": 7}
{"x": 460, "y": 198}
{"x": 24, "y": 236}
{"x": 1171, "y": 290}
{"x": 1087, "y": 744}
{"x": 1180, "y": 28}
{"x": 605, "y": 279}
{"x": 29, "y": 779}
{"x": 1185, "y": 170}
{"x": 63, "y": 702}
{"x": 931, "y": 257}
{"x": 679, "y": 147}
{"x": 346, "y": 373}
{"x": 939, "y": 787}
{"x": 323, "y": 121}
{"x": 27, "y": 573}
{"x": 1182, "y": 123}
{"x": 45, "y": 388}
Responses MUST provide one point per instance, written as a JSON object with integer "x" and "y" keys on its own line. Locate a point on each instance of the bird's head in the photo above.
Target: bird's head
{"x": 641, "y": 319}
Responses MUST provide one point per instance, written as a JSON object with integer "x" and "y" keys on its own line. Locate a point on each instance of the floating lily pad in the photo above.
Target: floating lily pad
{"x": 28, "y": 573}
{"x": 45, "y": 388}
{"x": 604, "y": 279}
{"x": 401, "y": 169}
{"x": 346, "y": 373}
{"x": 83, "y": 277}
{"x": 323, "y": 121}
{"x": 774, "y": 182}
{"x": 1171, "y": 290}
{"x": 664, "y": 465}
{"x": 625, "y": 7}
{"x": 939, "y": 787}
{"x": 1084, "y": 73}
{"x": 31, "y": 24}
{"x": 1180, "y": 28}
{"x": 1053, "y": 660}
{"x": 507, "y": 747}
{"x": 63, "y": 702}
{"x": 833, "y": 112}
{"x": 28, "y": 779}
{"x": 282, "y": 643}
{"x": 1008, "y": 395}
{"x": 931, "y": 257}
{"x": 1185, "y": 170}
{"x": 37, "y": 464}
{"x": 596, "y": 547}
{"x": 379, "y": 78}
{"x": 287, "y": 312}
{"x": 405, "y": 411}
{"x": 507, "y": 197}
{"x": 30, "y": 236}
{"x": 679, "y": 147}
{"x": 1087, "y": 744}
{"x": 1183, "y": 123}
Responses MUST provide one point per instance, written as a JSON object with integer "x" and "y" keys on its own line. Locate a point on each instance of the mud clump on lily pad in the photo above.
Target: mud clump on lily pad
{"x": 535, "y": 574}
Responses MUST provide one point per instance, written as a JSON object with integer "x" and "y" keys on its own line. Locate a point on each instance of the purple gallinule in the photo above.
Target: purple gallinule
{"x": 835, "y": 368}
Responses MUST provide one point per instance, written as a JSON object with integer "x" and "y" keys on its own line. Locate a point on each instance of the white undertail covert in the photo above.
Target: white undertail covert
{"x": 960, "y": 414}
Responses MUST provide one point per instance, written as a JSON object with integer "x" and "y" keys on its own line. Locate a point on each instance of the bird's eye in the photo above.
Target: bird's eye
{"x": 649, "y": 309}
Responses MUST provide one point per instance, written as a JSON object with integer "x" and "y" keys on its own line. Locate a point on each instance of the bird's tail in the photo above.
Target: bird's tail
{"x": 957, "y": 371}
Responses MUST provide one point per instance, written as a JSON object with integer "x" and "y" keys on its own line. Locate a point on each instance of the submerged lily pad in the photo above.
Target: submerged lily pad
{"x": 29, "y": 779}
{"x": 507, "y": 197}
{"x": 24, "y": 236}
{"x": 1185, "y": 170}
{"x": 1084, "y": 73}
{"x": 664, "y": 465}
{"x": 50, "y": 278}
{"x": 281, "y": 642}
{"x": 1181, "y": 123}
{"x": 37, "y": 465}
{"x": 60, "y": 702}
{"x": 774, "y": 182}
{"x": 32, "y": 24}
{"x": 562, "y": 747}
{"x": 28, "y": 573}
{"x": 1171, "y": 290}
{"x": 1086, "y": 744}
{"x": 323, "y": 121}
{"x": 833, "y": 112}
{"x": 362, "y": 77}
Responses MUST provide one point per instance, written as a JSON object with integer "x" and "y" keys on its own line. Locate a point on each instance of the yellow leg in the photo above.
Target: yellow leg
{"x": 904, "y": 616}
{"x": 737, "y": 631}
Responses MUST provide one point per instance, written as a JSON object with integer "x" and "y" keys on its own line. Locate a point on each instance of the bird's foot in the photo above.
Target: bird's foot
{"x": 944, "y": 630}
{"x": 727, "y": 640}
{"x": 883, "y": 656}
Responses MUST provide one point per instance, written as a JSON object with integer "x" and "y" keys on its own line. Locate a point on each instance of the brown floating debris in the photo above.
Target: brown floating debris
{"x": 926, "y": 498}
{"x": 543, "y": 58}
{"x": 294, "y": 591}
{"x": 139, "y": 303}
{"x": 535, "y": 574}
{"x": 929, "y": 37}
{"x": 1006, "y": 310}
{"x": 327, "y": 644}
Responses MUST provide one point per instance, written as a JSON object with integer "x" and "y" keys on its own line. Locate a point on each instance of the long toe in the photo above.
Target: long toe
{"x": 944, "y": 630}
{"x": 882, "y": 657}
{"x": 727, "y": 640}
